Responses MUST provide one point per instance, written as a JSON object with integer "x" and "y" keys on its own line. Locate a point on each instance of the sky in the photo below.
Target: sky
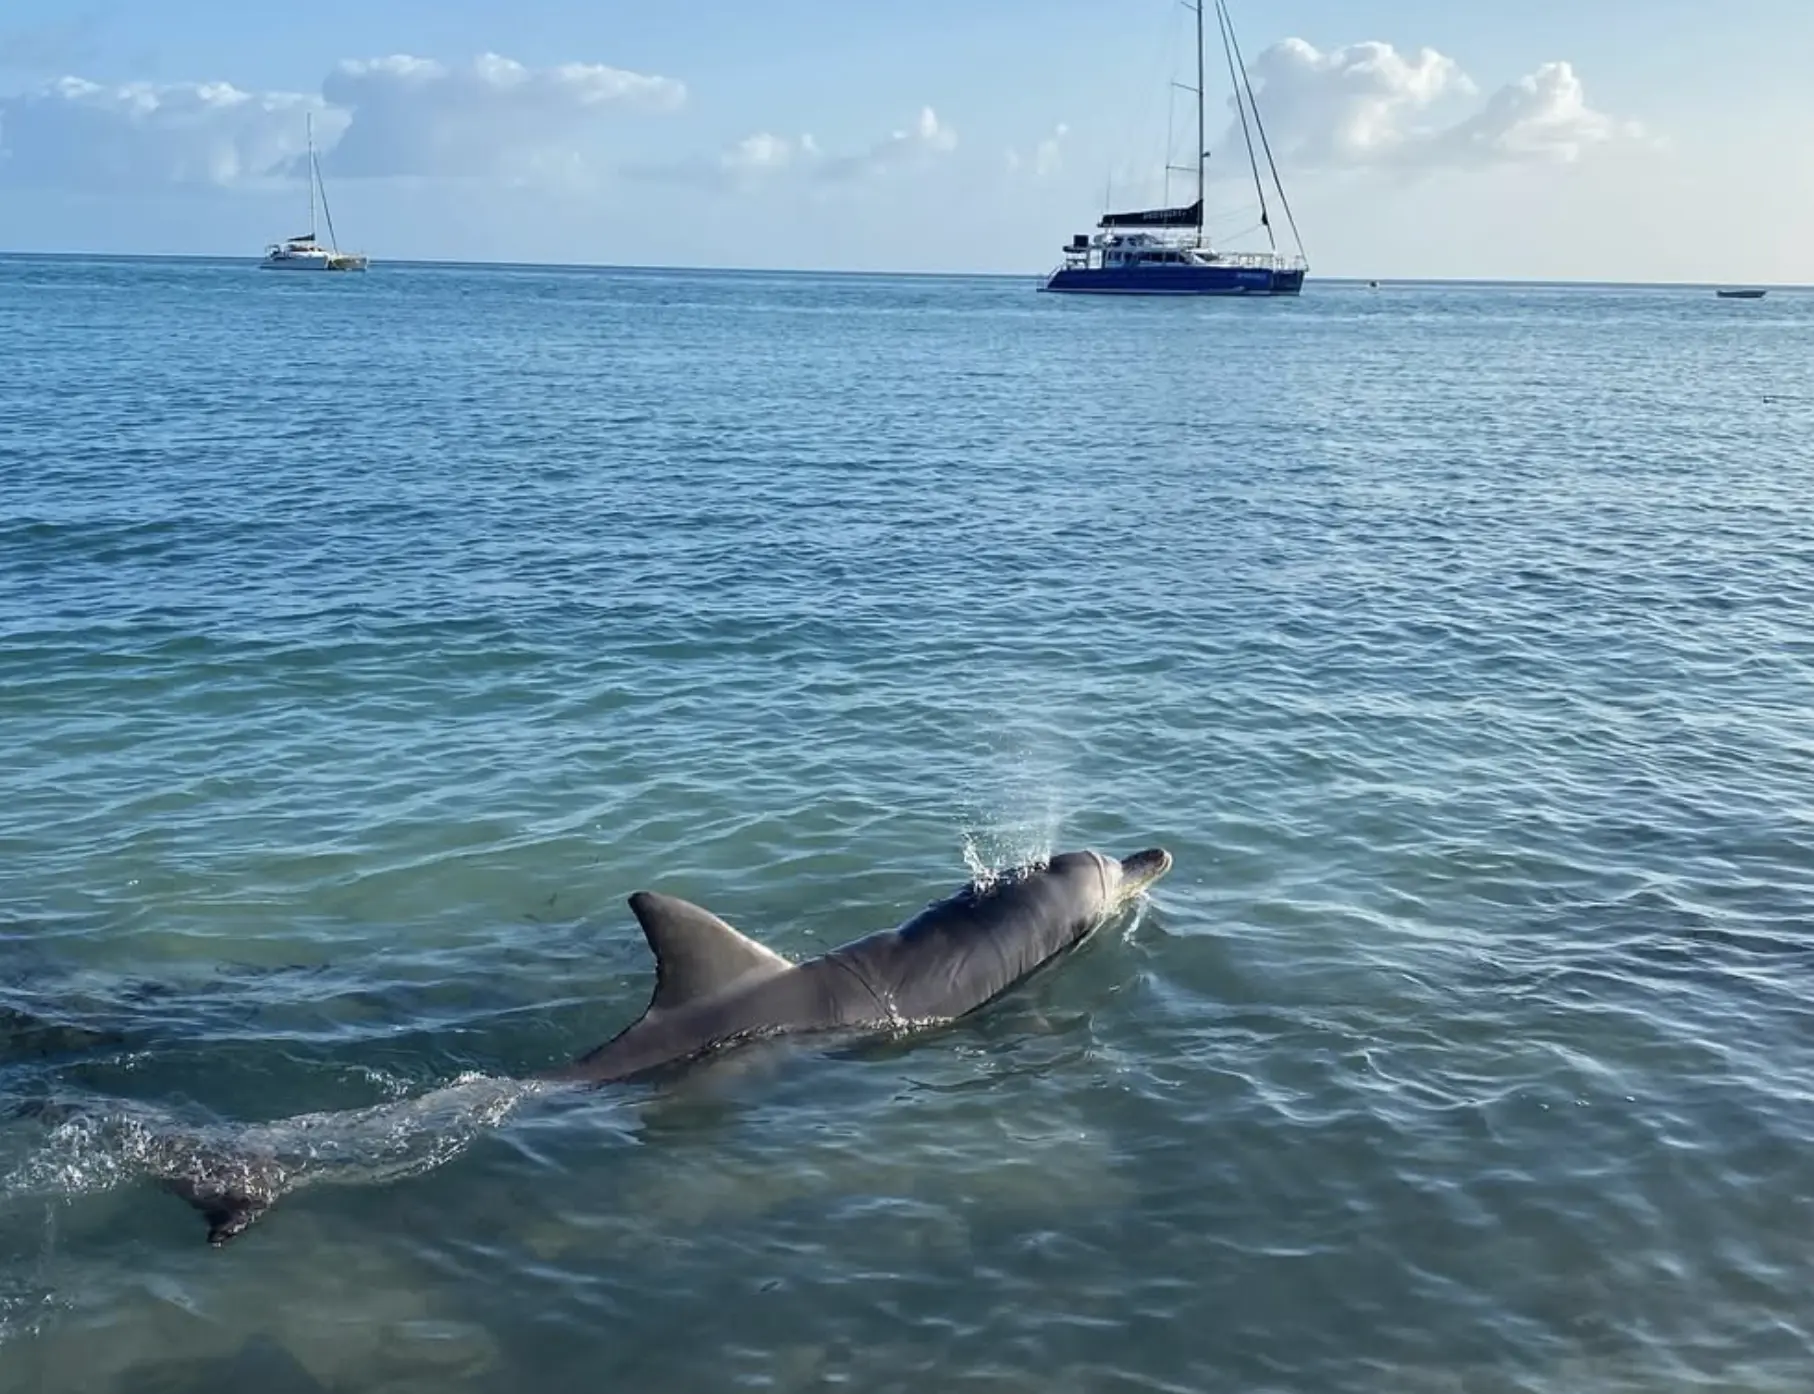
{"x": 1629, "y": 140}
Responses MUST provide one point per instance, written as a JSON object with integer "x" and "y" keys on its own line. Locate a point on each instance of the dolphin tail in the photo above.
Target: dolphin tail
{"x": 228, "y": 1211}
{"x": 232, "y": 1193}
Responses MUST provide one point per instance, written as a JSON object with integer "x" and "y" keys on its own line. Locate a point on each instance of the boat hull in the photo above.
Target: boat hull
{"x": 310, "y": 264}
{"x": 1176, "y": 280}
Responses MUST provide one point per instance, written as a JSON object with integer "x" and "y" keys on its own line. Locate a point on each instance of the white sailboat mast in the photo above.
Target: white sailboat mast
{"x": 309, "y": 117}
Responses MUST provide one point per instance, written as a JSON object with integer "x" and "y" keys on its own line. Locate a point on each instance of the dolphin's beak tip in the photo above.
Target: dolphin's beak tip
{"x": 1149, "y": 865}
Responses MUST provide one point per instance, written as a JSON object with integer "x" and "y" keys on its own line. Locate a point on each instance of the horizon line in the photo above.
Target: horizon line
{"x": 450, "y": 263}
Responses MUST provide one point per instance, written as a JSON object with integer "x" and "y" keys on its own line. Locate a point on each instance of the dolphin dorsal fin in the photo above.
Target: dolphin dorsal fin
{"x": 696, "y": 953}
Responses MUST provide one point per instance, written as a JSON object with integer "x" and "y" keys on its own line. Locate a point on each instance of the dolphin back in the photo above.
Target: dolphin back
{"x": 961, "y": 952}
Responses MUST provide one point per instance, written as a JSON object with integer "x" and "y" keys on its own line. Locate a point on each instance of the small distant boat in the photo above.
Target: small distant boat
{"x": 1174, "y": 262}
{"x": 304, "y": 253}
{"x": 1739, "y": 294}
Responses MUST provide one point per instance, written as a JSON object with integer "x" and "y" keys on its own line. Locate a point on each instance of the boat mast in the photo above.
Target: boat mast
{"x": 315, "y": 170}
{"x": 1234, "y": 81}
{"x": 1234, "y": 45}
{"x": 1202, "y": 153}
{"x": 309, "y": 118}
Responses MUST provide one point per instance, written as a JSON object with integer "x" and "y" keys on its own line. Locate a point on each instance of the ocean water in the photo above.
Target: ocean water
{"x": 365, "y": 642}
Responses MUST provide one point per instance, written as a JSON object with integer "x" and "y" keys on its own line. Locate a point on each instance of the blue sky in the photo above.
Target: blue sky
{"x": 1618, "y": 139}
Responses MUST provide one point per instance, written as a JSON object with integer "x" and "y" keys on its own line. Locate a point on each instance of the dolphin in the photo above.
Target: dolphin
{"x": 715, "y": 989}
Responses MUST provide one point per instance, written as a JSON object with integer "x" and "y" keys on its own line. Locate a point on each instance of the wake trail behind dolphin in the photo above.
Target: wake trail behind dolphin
{"x": 234, "y": 1172}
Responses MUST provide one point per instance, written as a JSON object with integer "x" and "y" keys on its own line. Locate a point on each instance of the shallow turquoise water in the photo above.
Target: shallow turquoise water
{"x": 363, "y": 643}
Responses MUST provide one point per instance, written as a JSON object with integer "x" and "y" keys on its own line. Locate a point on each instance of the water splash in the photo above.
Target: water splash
{"x": 989, "y": 855}
{"x": 1017, "y": 826}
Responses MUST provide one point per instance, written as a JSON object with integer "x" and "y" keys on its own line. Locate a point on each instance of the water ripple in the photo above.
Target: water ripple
{"x": 1460, "y": 657}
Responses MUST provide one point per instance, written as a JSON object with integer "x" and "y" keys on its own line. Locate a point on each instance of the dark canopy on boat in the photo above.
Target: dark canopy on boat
{"x": 1191, "y": 216}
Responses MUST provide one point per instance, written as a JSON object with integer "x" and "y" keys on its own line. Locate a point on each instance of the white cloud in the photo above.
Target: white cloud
{"x": 395, "y": 116}
{"x": 926, "y": 138}
{"x": 1542, "y": 116}
{"x": 751, "y": 160}
{"x": 765, "y": 157}
{"x": 763, "y": 152}
{"x": 493, "y": 117}
{"x": 1369, "y": 105}
{"x": 77, "y": 134}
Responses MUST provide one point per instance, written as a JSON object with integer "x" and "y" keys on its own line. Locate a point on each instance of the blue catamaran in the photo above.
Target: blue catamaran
{"x": 1164, "y": 251}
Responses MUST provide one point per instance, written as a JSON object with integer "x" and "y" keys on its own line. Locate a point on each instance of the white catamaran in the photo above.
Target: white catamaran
{"x": 305, "y": 253}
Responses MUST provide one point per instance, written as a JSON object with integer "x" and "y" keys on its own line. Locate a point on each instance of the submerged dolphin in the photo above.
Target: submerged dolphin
{"x": 714, "y": 988}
